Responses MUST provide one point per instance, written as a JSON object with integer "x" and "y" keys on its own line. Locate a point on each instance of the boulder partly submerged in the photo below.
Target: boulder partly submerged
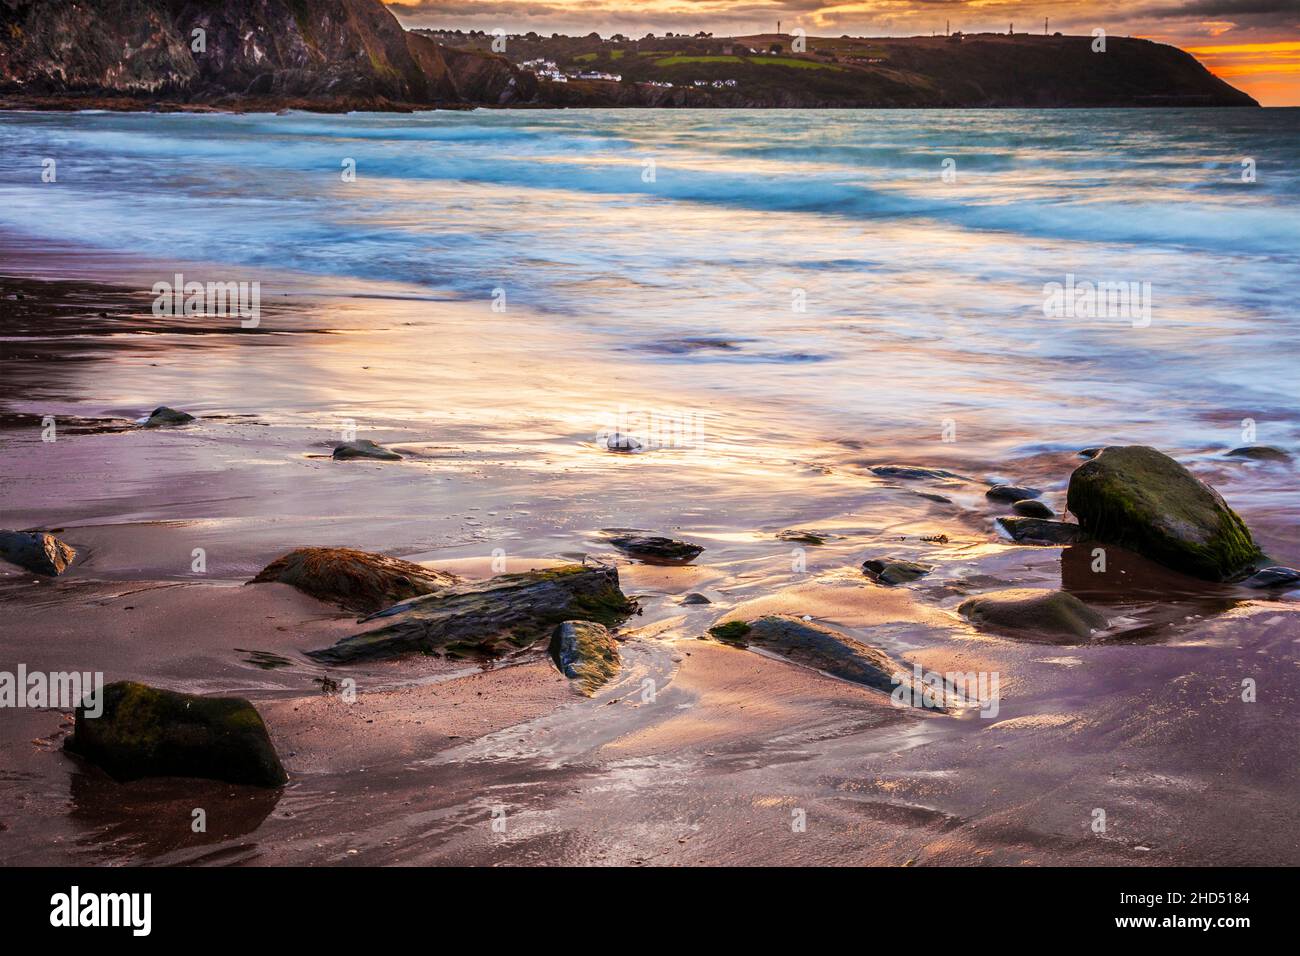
{"x": 148, "y": 732}
{"x": 490, "y": 617}
{"x": 1034, "y": 614}
{"x": 163, "y": 415}
{"x": 36, "y": 551}
{"x": 1012, "y": 493}
{"x": 363, "y": 448}
{"x": 356, "y": 580}
{"x": 1138, "y": 498}
{"x": 1032, "y": 508}
{"x": 894, "y": 571}
{"x": 1260, "y": 453}
{"x": 654, "y": 549}
{"x": 817, "y": 646}
{"x": 585, "y": 652}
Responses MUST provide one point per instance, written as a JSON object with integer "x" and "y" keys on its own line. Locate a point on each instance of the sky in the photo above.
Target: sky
{"x": 1253, "y": 44}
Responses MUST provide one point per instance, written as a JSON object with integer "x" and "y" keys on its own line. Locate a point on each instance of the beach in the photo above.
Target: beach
{"x": 667, "y": 315}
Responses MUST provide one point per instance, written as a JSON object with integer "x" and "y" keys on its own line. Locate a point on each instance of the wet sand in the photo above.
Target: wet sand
{"x": 498, "y": 429}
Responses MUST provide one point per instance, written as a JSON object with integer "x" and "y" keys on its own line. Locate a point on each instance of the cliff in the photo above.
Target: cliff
{"x": 344, "y": 54}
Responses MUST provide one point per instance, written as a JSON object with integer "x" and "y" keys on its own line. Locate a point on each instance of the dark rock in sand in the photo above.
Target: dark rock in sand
{"x": 656, "y": 550}
{"x": 357, "y": 580}
{"x": 147, "y": 732}
{"x": 802, "y": 537}
{"x": 1033, "y": 613}
{"x": 364, "y": 448}
{"x": 1031, "y": 508}
{"x": 915, "y": 473}
{"x": 489, "y": 617}
{"x": 586, "y": 652}
{"x": 1260, "y": 453}
{"x": 36, "y": 551}
{"x": 1027, "y": 530}
{"x": 162, "y": 415}
{"x": 695, "y": 598}
{"x": 894, "y": 571}
{"x": 1274, "y": 577}
{"x": 816, "y": 646}
{"x": 622, "y": 443}
{"x": 1011, "y": 493}
{"x": 1140, "y": 499}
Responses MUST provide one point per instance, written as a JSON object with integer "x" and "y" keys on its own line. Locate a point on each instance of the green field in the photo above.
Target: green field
{"x": 766, "y": 60}
{"x": 589, "y": 57}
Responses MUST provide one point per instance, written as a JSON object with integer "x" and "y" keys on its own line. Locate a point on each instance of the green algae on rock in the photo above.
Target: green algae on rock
{"x": 1138, "y": 498}
{"x": 585, "y": 652}
{"x": 894, "y": 571}
{"x": 356, "y": 580}
{"x": 149, "y": 732}
{"x": 490, "y": 617}
{"x": 1033, "y": 613}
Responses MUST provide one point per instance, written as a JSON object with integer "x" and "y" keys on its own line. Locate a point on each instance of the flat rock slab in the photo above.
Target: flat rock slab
{"x": 1034, "y": 614}
{"x": 585, "y": 652}
{"x": 894, "y": 571}
{"x": 357, "y": 580}
{"x": 364, "y": 448}
{"x": 36, "y": 551}
{"x": 1274, "y": 577}
{"x": 802, "y": 537}
{"x": 1143, "y": 500}
{"x": 1260, "y": 453}
{"x": 915, "y": 473}
{"x": 1024, "y": 530}
{"x": 816, "y": 646}
{"x": 656, "y": 550}
{"x": 490, "y": 617}
{"x": 148, "y": 732}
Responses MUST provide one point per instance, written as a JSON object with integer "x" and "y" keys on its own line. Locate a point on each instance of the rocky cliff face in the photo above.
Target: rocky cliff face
{"x": 216, "y": 51}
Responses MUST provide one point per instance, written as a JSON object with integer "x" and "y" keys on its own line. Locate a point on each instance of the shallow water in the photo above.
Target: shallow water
{"x": 922, "y": 300}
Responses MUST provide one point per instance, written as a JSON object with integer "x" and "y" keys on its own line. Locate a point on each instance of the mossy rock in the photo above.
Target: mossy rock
{"x": 356, "y": 580}
{"x": 894, "y": 571}
{"x": 802, "y": 537}
{"x": 1034, "y": 614}
{"x": 36, "y": 551}
{"x": 148, "y": 732}
{"x": 1143, "y": 500}
{"x": 586, "y": 652}
{"x": 653, "y": 549}
{"x": 732, "y": 632}
{"x": 364, "y": 448}
{"x": 1260, "y": 453}
{"x": 162, "y": 415}
{"x": 489, "y": 618}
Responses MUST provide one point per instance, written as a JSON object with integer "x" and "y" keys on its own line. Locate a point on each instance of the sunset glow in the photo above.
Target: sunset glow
{"x": 1253, "y": 45}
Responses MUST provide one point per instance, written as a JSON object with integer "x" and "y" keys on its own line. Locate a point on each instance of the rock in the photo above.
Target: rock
{"x": 364, "y": 448}
{"x": 1030, "y": 508}
{"x": 1140, "y": 499}
{"x": 816, "y": 646}
{"x": 1011, "y": 493}
{"x": 1273, "y": 577}
{"x": 148, "y": 732}
{"x": 802, "y": 537}
{"x": 585, "y": 652}
{"x": 489, "y": 617}
{"x": 162, "y": 415}
{"x": 1091, "y": 452}
{"x": 915, "y": 473}
{"x": 356, "y": 580}
{"x": 1033, "y": 613}
{"x": 656, "y": 550}
{"x": 1260, "y": 453}
{"x": 894, "y": 571}
{"x": 1040, "y": 531}
{"x": 36, "y": 551}
{"x": 623, "y": 443}
{"x": 695, "y": 598}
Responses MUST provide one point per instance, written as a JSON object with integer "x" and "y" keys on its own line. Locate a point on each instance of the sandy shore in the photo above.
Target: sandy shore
{"x": 732, "y": 748}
